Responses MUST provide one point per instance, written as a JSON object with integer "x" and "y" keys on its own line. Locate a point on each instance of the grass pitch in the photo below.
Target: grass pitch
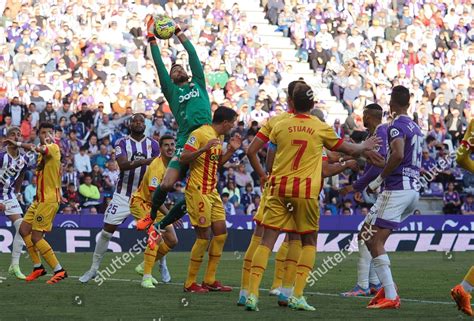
{"x": 424, "y": 280}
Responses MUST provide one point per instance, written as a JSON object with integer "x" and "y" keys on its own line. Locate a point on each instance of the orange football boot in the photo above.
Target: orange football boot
{"x": 37, "y": 272}
{"x": 462, "y": 299}
{"x": 58, "y": 276}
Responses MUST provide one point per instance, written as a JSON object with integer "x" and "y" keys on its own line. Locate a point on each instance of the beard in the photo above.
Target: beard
{"x": 181, "y": 78}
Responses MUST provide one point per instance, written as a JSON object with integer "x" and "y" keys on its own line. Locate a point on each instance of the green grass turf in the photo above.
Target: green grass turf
{"x": 420, "y": 276}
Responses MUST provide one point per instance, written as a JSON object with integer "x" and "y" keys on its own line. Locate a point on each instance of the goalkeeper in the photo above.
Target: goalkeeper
{"x": 190, "y": 105}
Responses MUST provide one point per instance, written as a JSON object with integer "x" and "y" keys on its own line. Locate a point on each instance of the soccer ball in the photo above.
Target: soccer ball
{"x": 164, "y": 27}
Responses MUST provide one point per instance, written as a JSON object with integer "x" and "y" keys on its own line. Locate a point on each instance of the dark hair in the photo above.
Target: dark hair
{"x": 136, "y": 115}
{"x": 165, "y": 137}
{"x": 303, "y": 97}
{"x": 429, "y": 139}
{"x": 291, "y": 86}
{"x": 374, "y": 110}
{"x": 45, "y": 125}
{"x": 400, "y": 96}
{"x": 223, "y": 114}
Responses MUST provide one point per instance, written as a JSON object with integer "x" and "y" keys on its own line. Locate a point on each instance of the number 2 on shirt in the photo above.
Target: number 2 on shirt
{"x": 301, "y": 144}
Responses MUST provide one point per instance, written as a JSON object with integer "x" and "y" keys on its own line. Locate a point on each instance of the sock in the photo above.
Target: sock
{"x": 259, "y": 264}
{"x": 177, "y": 212}
{"x": 100, "y": 248}
{"x": 197, "y": 253}
{"x": 57, "y": 268}
{"x": 47, "y": 253}
{"x": 373, "y": 278}
{"x": 163, "y": 259}
{"x": 17, "y": 243}
{"x": 304, "y": 267}
{"x": 32, "y": 251}
{"x": 163, "y": 249}
{"x": 215, "y": 253}
{"x": 149, "y": 259}
{"x": 294, "y": 253}
{"x": 468, "y": 282}
{"x": 280, "y": 265}
{"x": 157, "y": 200}
{"x": 382, "y": 268}
{"x": 363, "y": 266}
{"x": 254, "y": 243}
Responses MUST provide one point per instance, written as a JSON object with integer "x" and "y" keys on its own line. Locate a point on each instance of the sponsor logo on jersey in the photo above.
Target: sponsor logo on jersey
{"x": 214, "y": 157}
{"x": 192, "y": 94}
{"x": 138, "y": 156}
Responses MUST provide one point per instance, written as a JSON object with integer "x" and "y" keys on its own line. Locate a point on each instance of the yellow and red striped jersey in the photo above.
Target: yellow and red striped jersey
{"x": 203, "y": 170}
{"x": 48, "y": 174}
{"x": 297, "y": 167}
{"x": 266, "y": 130}
{"x": 151, "y": 179}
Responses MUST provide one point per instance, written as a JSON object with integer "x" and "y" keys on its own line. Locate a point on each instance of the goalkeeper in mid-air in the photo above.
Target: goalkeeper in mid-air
{"x": 189, "y": 102}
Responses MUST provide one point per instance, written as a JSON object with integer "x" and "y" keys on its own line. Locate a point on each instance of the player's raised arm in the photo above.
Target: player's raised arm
{"x": 234, "y": 143}
{"x": 194, "y": 62}
{"x": 356, "y": 150}
{"x": 165, "y": 79}
{"x": 193, "y": 149}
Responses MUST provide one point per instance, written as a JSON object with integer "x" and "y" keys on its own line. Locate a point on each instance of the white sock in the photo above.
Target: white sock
{"x": 17, "y": 243}
{"x": 163, "y": 261}
{"x": 382, "y": 268}
{"x": 467, "y": 286}
{"x": 243, "y": 293}
{"x": 57, "y": 268}
{"x": 37, "y": 265}
{"x": 286, "y": 291}
{"x": 146, "y": 276}
{"x": 100, "y": 249}
{"x": 363, "y": 266}
{"x": 373, "y": 278}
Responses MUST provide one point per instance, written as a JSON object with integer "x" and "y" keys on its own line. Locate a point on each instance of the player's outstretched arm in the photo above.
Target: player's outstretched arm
{"x": 357, "y": 150}
{"x": 234, "y": 144}
{"x": 194, "y": 62}
{"x": 189, "y": 154}
{"x": 336, "y": 168}
{"x": 165, "y": 79}
{"x": 397, "y": 148}
{"x": 126, "y": 165}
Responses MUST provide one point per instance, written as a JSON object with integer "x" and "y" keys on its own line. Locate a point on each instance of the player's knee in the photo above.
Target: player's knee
{"x": 25, "y": 229}
{"x": 171, "y": 241}
{"x": 35, "y": 238}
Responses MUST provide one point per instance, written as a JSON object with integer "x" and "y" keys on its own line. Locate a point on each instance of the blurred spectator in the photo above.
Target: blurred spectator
{"x": 228, "y": 206}
{"x": 90, "y": 194}
{"x": 30, "y": 192}
{"x": 468, "y": 206}
{"x": 451, "y": 200}
{"x": 82, "y": 161}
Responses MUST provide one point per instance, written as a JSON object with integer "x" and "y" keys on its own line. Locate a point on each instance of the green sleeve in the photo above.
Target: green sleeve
{"x": 195, "y": 64}
{"x": 165, "y": 79}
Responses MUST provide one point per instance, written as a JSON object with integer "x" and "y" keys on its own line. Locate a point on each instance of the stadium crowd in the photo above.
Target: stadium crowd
{"x": 84, "y": 67}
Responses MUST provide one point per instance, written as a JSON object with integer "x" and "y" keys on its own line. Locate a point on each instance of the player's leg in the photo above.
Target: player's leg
{"x": 44, "y": 217}
{"x": 25, "y": 232}
{"x": 275, "y": 217}
{"x": 246, "y": 265}
{"x": 279, "y": 272}
{"x": 366, "y": 276}
{"x": 167, "y": 184}
{"x": 117, "y": 211}
{"x": 216, "y": 248}
{"x": 291, "y": 260}
{"x": 461, "y": 293}
{"x": 16, "y": 220}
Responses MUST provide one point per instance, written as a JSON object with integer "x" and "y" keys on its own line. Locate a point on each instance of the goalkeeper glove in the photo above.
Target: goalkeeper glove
{"x": 150, "y": 28}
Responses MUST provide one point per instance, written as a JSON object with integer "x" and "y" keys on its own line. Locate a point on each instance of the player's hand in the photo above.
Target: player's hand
{"x": 375, "y": 158}
{"x": 9, "y": 142}
{"x": 178, "y": 224}
{"x": 177, "y": 28}
{"x": 2, "y": 207}
{"x": 150, "y": 26}
{"x": 346, "y": 190}
{"x": 352, "y": 164}
{"x": 371, "y": 142}
{"x": 235, "y": 142}
{"x": 211, "y": 143}
{"x": 358, "y": 197}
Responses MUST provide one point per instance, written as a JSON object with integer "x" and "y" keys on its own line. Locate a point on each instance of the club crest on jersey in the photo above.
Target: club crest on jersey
{"x": 138, "y": 156}
{"x": 39, "y": 218}
{"x": 118, "y": 150}
{"x": 394, "y": 132}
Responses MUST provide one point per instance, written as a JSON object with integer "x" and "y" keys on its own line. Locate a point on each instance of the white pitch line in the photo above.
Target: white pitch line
{"x": 306, "y": 292}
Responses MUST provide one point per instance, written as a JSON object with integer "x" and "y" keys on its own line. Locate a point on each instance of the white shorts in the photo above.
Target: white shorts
{"x": 392, "y": 207}
{"x": 117, "y": 210}
{"x": 12, "y": 207}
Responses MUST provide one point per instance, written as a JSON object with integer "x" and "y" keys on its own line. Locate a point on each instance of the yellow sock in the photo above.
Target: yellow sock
{"x": 215, "y": 253}
{"x": 163, "y": 249}
{"x": 294, "y": 252}
{"x": 469, "y": 278}
{"x": 305, "y": 265}
{"x": 47, "y": 253}
{"x": 32, "y": 251}
{"x": 149, "y": 259}
{"x": 280, "y": 265}
{"x": 259, "y": 264}
{"x": 254, "y": 243}
{"x": 197, "y": 253}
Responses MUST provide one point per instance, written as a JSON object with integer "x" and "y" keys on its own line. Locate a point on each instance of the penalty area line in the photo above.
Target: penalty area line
{"x": 267, "y": 290}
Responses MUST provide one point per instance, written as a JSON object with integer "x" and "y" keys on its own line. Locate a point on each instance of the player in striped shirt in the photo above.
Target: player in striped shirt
{"x": 294, "y": 186}
{"x": 203, "y": 152}
{"x": 133, "y": 153}
{"x": 13, "y": 163}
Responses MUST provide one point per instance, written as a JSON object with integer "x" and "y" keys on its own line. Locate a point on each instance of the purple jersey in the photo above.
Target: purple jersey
{"x": 372, "y": 171}
{"x": 451, "y": 197}
{"x": 468, "y": 207}
{"x": 406, "y": 175}
{"x": 10, "y": 169}
{"x": 133, "y": 150}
